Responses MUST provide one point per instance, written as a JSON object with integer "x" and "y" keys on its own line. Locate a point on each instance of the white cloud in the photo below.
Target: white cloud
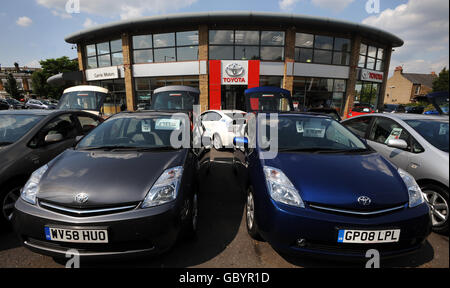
{"x": 333, "y": 5}
{"x": 89, "y": 23}
{"x": 287, "y": 4}
{"x": 63, "y": 15}
{"x": 424, "y": 26}
{"x": 119, "y": 8}
{"x": 33, "y": 64}
{"x": 24, "y": 21}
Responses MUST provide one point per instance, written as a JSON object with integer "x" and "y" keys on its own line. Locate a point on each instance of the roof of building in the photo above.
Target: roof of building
{"x": 422, "y": 79}
{"x": 267, "y": 19}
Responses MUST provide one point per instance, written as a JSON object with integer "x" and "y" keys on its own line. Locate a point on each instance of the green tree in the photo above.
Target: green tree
{"x": 441, "y": 83}
{"x": 52, "y": 67}
{"x": 11, "y": 86}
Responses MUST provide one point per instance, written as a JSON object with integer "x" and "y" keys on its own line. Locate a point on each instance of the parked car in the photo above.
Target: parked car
{"x": 393, "y": 108}
{"x": 328, "y": 193}
{"x": 418, "y": 144}
{"x": 268, "y": 99}
{"x": 123, "y": 190}
{"x": 86, "y": 98}
{"x": 327, "y": 111}
{"x": 360, "y": 109}
{"x": 49, "y": 104}
{"x": 414, "y": 109}
{"x": 4, "y": 105}
{"x": 30, "y": 139}
{"x": 222, "y": 126}
{"x": 14, "y": 104}
{"x": 36, "y": 104}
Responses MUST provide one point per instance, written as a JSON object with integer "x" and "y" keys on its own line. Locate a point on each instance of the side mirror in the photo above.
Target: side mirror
{"x": 397, "y": 143}
{"x": 53, "y": 138}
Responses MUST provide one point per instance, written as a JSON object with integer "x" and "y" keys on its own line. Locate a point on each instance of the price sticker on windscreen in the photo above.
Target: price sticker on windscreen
{"x": 168, "y": 124}
{"x": 146, "y": 127}
{"x": 314, "y": 130}
{"x": 299, "y": 125}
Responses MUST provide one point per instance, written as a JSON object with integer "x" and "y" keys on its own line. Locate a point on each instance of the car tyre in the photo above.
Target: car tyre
{"x": 437, "y": 198}
{"x": 217, "y": 142}
{"x": 252, "y": 228}
{"x": 8, "y": 196}
{"x": 191, "y": 221}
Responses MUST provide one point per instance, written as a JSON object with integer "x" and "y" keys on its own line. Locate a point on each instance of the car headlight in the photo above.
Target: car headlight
{"x": 31, "y": 188}
{"x": 165, "y": 188}
{"x": 414, "y": 191}
{"x": 281, "y": 188}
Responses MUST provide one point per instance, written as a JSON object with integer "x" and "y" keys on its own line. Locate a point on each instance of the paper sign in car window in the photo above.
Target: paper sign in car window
{"x": 395, "y": 134}
{"x": 313, "y": 129}
{"x": 167, "y": 124}
{"x": 299, "y": 125}
{"x": 443, "y": 129}
{"x": 146, "y": 126}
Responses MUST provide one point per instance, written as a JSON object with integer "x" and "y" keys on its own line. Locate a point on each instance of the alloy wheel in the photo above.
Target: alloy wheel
{"x": 250, "y": 211}
{"x": 8, "y": 203}
{"x": 438, "y": 206}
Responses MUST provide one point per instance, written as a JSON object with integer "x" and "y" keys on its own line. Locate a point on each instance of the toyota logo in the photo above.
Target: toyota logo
{"x": 81, "y": 198}
{"x": 364, "y": 200}
{"x": 234, "y": 70}
{"x": 365, "y": 75}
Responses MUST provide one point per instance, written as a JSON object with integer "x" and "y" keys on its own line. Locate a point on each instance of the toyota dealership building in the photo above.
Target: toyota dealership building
{"x": 323, "y": 62}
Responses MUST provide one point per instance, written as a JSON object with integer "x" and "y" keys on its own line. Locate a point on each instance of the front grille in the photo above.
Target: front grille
{"x": 355, "y": 212}
{"x": 86, "y": 212}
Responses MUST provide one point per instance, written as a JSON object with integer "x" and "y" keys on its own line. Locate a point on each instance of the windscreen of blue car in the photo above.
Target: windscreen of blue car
{"x": 14, "y": 127}
{"x": 312, "y": 134}
{"x": 434, "y": 131}
{"x": 268, "y": 102}
{"x": 133, "y": 132}
{"x": 175, "y": 100}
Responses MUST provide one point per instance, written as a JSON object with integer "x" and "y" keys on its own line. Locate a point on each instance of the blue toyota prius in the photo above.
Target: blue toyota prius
{"x": 326, "y": 192}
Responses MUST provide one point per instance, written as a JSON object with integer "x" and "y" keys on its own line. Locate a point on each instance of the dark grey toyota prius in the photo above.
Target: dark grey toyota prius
{"x": 124, "y": 189}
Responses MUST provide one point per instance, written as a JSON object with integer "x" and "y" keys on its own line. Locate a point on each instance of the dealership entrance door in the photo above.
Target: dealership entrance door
{"x": 233, "y": 97}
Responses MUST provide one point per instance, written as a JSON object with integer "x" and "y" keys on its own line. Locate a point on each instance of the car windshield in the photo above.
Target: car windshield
{"x": 175, "y": 100}
{"x": 434, "y": 131}
{"x": 134, "y": 132}
{"x": 313, "y": 134}
{"x": 268, "y": 101}
{"x": 13, "y": 127}
{"x": 443, "y": 104}
{"x": 82, "y": 100}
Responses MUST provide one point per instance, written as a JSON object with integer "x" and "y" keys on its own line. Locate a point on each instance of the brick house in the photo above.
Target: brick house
{"x": 402, "y": 88}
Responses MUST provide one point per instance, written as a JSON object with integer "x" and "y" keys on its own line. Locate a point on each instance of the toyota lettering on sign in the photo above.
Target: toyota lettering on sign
{"x": 234, "y": 72}
{"x": 371, "y": 76}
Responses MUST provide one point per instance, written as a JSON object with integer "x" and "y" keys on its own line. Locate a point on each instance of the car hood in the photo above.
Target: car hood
{"x": 338, "y": 180}
{"x": 108, "y": 178}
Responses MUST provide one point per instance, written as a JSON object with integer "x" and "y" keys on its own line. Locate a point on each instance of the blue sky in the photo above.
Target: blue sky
{"x": 33, "y": 30}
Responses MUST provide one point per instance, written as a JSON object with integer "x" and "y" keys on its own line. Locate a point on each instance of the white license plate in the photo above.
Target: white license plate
{"x": 76, "y": 235}
{"x": 368, "y": 237}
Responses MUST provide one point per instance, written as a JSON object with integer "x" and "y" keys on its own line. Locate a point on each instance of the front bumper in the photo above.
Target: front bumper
{"x": 282, "y": 226}
{"x": 136, "y": 232}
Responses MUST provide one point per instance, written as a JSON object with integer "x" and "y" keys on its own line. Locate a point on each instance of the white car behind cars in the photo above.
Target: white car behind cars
{"x": 222, "y": 126}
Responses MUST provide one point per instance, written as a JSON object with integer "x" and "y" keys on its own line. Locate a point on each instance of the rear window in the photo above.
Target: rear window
{"x": 175, "y": 100}
{"x": 268, "y": 101}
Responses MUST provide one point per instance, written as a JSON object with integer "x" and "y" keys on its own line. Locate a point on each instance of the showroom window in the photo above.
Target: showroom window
{"x": 371, "y": 57}
{"x": 116, "y": 101}
{"x": 165, "y": 47}
{"x": 146, "y": 86}
{"x": 367, "y": 93}
{"x": 246, "y": 45}
{"x": 104, "y": 54}
{"x": 319, "y": 92}
{"x": 321, "y": 49}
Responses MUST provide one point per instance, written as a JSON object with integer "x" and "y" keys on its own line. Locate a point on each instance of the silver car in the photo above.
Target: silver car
{"x": 418, "y": 144}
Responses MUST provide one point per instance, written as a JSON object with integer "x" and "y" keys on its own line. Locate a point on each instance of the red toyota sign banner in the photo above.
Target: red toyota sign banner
{"x": 234, "y": 72}
{"x": 371, "y": 76}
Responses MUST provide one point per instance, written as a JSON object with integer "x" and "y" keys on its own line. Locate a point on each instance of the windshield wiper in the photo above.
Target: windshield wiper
{"x": 128, "y": 148}
{"x": 5, "y": 143}
{"x": 323, "y": 150}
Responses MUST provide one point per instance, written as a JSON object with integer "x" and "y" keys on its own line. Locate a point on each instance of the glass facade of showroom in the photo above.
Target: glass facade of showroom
{"x": 311, "y": 92}
{"x": 116, "y": 102}
{"x": 367, "y": 94}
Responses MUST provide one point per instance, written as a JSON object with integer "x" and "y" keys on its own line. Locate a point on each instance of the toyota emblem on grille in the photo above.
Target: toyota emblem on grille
{"x": 81, "y": 198}
{"x": 234, "y": 70}
{"x": 364, "y": 200}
